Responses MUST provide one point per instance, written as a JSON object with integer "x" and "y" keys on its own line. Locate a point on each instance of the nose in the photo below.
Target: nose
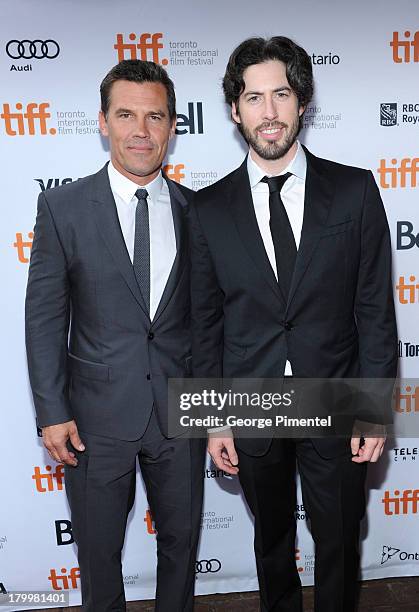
{"x": 141, "y": 130}
{"x": 270, "y": 112}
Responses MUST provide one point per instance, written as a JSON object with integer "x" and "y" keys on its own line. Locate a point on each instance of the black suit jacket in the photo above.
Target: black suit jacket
{"x": 93, "y": 353}
{"x": 338, "y": 319}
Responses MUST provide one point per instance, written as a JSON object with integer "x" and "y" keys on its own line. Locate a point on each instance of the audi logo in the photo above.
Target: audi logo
{"x": 32, "y": 49}
{"x": 211, "y": 566}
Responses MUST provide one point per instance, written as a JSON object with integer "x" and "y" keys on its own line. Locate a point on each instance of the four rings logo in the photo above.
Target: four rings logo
{"x": 32, "y": 49}
{"x": 211, "y": 566}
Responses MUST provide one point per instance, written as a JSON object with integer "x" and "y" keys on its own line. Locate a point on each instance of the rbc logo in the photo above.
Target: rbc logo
{"x": 140, "y": 48}
{"x": 388, "y": 113}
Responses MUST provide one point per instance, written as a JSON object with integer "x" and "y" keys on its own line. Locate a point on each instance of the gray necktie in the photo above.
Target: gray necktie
{"x": 141, "y": 260}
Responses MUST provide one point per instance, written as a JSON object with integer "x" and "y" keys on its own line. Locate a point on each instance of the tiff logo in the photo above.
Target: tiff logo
{"x": 408, "y": 293}
{"x": 68, "y": 581}
{"x": 23, "y": 247}
{"x": 402, "y": 48}
{"x": 398, "y": 172}
{"x": 49, "y": 477}
{"x": 405, "y": 503}
{"x": 174, "y": 172}
{"x": 148, "y": 520}
{"x": 26, "y": 122}
{"x": 140, "y": 48}
{"x": 408, "y": 401}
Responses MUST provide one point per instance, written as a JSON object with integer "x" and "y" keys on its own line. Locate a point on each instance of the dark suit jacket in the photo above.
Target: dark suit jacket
{"x": 338, "y": 320}
{"x": 93, "y": 354}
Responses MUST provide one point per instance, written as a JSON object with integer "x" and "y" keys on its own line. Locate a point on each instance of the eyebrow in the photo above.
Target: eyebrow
{"x": 260, "y": 93}
{"x": 151, "y": 112}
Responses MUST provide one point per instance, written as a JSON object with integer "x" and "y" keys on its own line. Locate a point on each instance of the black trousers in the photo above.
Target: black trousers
{"x": 334, "y": 499}
{"x": 101, "y": 493}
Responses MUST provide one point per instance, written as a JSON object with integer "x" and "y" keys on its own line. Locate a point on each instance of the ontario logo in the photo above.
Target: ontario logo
{"x": 400, "y": 555}
{"x": 388, "y": 113}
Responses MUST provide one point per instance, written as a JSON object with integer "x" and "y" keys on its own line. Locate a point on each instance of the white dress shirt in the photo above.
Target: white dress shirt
{"x": 292, "y": 195}
{"x": 162, "y": 229}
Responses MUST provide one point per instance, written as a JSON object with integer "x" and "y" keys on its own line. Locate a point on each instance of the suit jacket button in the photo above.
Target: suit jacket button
{"x": 288, "y": 326}
{"x": 148, "y": 377}
{"x": 150, "y": 335}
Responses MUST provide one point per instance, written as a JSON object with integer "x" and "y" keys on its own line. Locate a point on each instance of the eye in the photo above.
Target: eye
{"x": 253, "y": 99}
{"x": 125, "y": 115}
{"x": 155, "y": 117}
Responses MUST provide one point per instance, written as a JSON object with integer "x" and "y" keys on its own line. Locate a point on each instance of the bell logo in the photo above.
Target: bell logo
{"x": 408, "y": 292}
{"x": 175, "y": 172}
{"x": 405, "y": 503}
{"x": 64, "y": 532}
{"x": 187, "y": 122}
{"x": 49, "y": 477}
{"x": 23, "y": 247}
{"x": 148, "y": 520}
{"x": 68, "y": 581}
{"x": 140, "y": 50}
{"x": 406, "y": 236}
{"x": 26, "y": 122}
{"x": 402, "y": 48}
{"x": 399, "y": 172}
{"x": 408, "y": 401}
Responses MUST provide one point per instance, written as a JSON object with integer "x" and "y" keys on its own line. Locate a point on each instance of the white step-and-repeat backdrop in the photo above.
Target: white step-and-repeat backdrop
{"x": 53, "y": 55}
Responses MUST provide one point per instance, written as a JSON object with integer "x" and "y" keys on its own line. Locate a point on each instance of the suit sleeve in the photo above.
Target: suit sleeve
{"x": 206, "y": 306}
{"x": 374, "y": 305}
{"x": 47, "y": 316}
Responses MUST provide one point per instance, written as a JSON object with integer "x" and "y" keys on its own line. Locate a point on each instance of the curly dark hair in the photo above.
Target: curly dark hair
{"x": 252, "y": 51}
{"x": 138, "y": 71}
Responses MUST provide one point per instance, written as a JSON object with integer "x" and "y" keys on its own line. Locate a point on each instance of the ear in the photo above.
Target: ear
{"x": 173, "y": 128}
{"x": 301, "y": 110}
{"x": 103, "y": 125}
{"x": 235, "y": 115}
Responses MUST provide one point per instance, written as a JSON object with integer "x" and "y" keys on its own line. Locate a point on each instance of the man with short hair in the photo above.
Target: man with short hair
{"x": 291, "y": 276}
{"x": 107, "y": 322}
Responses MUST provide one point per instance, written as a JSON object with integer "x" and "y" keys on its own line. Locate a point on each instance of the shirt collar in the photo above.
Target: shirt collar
{"x": 297, "y": 166}
{"x": 125, "y": 188}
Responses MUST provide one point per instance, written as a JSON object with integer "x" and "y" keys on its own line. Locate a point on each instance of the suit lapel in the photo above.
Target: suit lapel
{"x": 106, "y": 217}
{"x": 243, "y": 212}
{"x": 179, "y": 206}
{"x": 319, "y": 192}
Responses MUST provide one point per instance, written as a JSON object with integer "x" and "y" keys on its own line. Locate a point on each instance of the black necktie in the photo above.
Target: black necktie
{"x": 141, "y": 260}
{"x": 282, "y": 235}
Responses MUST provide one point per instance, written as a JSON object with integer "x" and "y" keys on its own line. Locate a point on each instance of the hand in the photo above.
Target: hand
{"x": 55, "y": 439}
{"x": 223, "y": 452}
{"x": 372, "y": 448}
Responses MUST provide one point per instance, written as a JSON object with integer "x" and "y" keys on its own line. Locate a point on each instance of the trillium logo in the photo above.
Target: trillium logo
{"x": 388, "y": 553}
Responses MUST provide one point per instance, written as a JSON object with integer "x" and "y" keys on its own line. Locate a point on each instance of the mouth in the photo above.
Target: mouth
{"x": 271, "y": 133}
{"x": 140, "y": 147}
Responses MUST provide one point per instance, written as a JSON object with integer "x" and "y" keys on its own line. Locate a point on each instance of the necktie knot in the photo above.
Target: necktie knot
{"x": 141, "y": 194}
{"x": 276, "y": 183}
